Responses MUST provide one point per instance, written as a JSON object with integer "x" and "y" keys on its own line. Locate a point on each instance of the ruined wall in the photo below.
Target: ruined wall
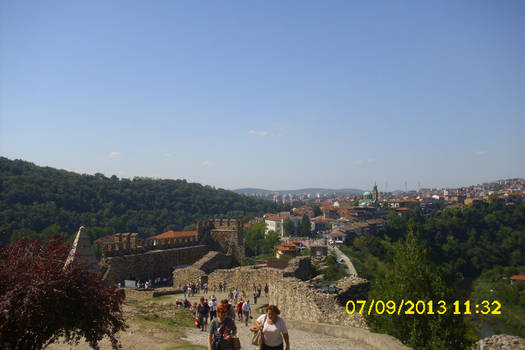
{"x": 352, "y": 288}
{"x": 131, "y": 243}
{"x": 209, "y": 262}
{"x": 242, "y": 277}
{"x": 152, "y": 264}
{"x": 213, "y": 261}
{"x": 298, "y": 301}
{"x": 224, "y": 235}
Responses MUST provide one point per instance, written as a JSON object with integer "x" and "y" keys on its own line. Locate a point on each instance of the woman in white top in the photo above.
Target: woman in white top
{"x": 274, "y": 329}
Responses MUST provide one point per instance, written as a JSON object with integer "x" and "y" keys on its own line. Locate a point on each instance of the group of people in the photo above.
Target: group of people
{"x": 233, "y": 295}
{"x": 222, "y": 329}
{"x": 147, "y": 284}
{"x": 221, "y": 317}
{"x": 194, "y": 288}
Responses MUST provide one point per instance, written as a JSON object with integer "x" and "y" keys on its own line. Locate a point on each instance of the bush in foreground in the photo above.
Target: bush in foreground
{"x": 41, "y": 301}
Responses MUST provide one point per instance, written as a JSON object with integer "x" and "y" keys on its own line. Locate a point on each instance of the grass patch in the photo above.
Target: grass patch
{"x": 182, "y": 318}
{"x": 162, "y": 297}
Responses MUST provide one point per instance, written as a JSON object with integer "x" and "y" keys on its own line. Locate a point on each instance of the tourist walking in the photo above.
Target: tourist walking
{"x": 203, "y": 311}
{"x": 230, "y": 308}
{"x": 239, "y": 310}
{"x": 274, "y": 330}
{"x": 266, "y": 290}
{"x": 213, "y": 307}
{"x": 230, "y": 296}
{"x": 246, "y": 310}
{"x": 255, "y": 296}
{"x": 222, "y": 330}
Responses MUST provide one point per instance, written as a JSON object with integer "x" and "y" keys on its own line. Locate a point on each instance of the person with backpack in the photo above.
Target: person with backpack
{"x": 222, "y": 330}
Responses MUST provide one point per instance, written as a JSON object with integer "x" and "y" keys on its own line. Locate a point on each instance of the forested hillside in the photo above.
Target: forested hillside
{"x": 35, "y": 201}
{"x": 470, "y": 251}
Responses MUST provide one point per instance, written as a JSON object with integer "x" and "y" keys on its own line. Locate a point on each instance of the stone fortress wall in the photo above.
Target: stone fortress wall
{"x": 151, "y": 264}
{"x": 301, "y": 301}
{"x": 242, "y": 277}
{"x": 224, "y": 235}
{"x": 130, "y": 257}
{"x": 131, "y": 243}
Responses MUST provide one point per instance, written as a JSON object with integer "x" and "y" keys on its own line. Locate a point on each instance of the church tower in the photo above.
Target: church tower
{"x": 375, "y": 195}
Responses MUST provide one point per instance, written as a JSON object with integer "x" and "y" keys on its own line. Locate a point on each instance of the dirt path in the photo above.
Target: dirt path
{"x": 149, "y": 333}
{"x": 299, "y": 340}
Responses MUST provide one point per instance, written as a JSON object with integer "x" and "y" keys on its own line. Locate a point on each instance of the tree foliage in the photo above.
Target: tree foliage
{"x": 38, "y": 201}
{"x": 316, "y": 210}
{"x": 42, "y": 301}
{"x": 334, "y": 271}
{"x": 413, "y": 276}
{"x": 306, "y": 226}
{"x": 469, "y": 240}
{"x": 289, "y": 227}
{"x": 257, "y": 242}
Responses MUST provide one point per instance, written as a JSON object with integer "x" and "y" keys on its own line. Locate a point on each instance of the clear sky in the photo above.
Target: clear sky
{"x": 267, "y": 94}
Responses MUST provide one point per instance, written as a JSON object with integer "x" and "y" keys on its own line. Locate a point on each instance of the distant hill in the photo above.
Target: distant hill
{"x": 35, "y": 201}
{"x": 299, "y": 191}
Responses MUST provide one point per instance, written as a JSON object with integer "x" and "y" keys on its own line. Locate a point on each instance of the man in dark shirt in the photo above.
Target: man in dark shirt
{"x": 203, "y": 310}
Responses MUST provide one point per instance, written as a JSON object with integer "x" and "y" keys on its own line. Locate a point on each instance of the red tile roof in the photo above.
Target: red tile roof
{"x": 286, "y": 248}
{"x": 518, "y": 278}
{"x": 173, "y": 234}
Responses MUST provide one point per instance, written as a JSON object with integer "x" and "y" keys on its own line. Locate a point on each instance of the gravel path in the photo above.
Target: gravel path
{"x": 299, "y": 340}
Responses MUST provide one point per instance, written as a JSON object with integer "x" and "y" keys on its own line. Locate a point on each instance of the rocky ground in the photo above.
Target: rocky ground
{"x": 500, "y": 342}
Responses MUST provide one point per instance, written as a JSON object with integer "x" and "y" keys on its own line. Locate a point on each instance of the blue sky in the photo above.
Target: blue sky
{"x": 268, "y": 94}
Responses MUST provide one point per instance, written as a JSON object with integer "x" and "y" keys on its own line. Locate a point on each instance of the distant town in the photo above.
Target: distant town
{"x": 313, "y": 195}
{"x": 336, "y": 216}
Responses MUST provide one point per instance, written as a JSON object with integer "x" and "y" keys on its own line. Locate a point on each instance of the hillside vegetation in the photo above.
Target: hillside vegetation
{"x": 35, "y": 201}
{"x": 461, "y": 254}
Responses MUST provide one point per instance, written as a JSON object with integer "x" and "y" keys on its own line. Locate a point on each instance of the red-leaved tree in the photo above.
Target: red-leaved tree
{"x": 41, "y": 301}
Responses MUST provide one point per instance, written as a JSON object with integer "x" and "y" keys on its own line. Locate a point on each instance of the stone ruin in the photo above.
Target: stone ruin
{"x": 292, "y": 289}
{"x": 130, "y": 257}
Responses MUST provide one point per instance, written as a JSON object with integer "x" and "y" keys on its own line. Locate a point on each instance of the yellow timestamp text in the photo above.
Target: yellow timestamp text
{"x": 422, "y": 307}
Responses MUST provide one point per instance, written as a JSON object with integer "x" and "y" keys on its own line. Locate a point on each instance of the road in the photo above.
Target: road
{"x": 340, "y": 255}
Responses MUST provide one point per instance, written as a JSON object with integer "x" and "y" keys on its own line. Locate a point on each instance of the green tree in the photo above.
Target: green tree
{"x": 413, "y": 276}
{"x": 254, "y": 237}
{"x": 334, "y": 272}
{"x": 289, "y": 227}
{"x": 306, "y": 226}
{"x": 317, "y": 210}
